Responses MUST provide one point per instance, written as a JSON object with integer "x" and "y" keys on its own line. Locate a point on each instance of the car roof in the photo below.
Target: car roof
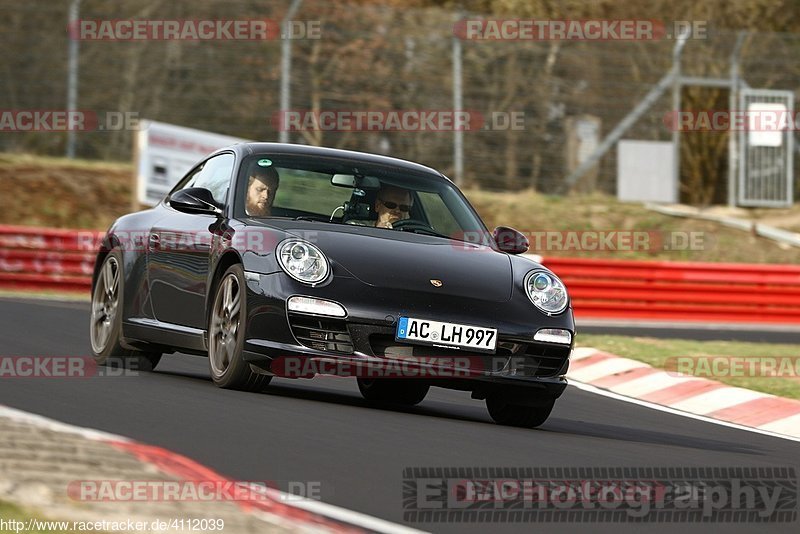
{"x": 247, "y": 149}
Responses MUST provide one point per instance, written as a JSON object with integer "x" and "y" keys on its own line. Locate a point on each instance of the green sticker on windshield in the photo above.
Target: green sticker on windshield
{"x": 264, "y": 162}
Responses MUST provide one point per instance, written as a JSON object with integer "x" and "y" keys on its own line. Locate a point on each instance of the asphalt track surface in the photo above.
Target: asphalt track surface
{"x": 321, "y": 430}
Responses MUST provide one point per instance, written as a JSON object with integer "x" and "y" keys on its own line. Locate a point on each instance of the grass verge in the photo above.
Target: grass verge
{"x": 557, "y": 226}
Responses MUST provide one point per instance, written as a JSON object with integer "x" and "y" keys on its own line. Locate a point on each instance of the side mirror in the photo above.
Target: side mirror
{"x": 510, "y": 240}
{"x": 195, "y": 200}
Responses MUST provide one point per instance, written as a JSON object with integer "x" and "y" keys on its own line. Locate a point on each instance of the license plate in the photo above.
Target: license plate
{"x": 451, "y": 335}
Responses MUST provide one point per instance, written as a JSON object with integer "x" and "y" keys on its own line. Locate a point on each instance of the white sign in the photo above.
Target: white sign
{"x": 167, "y": 152}
{"x": 766, "y": 123}
{"x": 644, "y": 172}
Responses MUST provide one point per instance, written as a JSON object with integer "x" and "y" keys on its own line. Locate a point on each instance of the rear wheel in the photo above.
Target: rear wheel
{"x": 105, "y": 329}
{"x": 226, "y": 335}
{"x": 407, "y": 392}
{"x": 505, "y": 413}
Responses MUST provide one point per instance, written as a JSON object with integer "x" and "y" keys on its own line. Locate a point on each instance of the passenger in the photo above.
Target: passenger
{"x": 262, "y": 185}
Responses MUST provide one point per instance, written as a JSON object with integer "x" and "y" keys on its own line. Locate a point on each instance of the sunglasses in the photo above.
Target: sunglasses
{"x": 393, "y": 205}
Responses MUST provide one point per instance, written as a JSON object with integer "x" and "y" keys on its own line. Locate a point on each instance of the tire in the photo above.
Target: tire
{"x": 408, "y": 392}
{"x": 504, "y": 413}
{"x": 226, "y": 322}
{"x": 105, "y": 323}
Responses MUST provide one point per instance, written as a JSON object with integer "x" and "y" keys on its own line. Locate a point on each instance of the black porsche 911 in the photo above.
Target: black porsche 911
{"x": 289, "y": 260}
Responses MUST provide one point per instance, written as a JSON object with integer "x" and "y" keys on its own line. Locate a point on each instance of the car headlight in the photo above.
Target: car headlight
{"x": 546, "y": 291}
{"x": 303, "y": 261}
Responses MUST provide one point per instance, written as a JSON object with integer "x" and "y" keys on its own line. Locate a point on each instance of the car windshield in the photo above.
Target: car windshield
{"x": 341, "y": 191}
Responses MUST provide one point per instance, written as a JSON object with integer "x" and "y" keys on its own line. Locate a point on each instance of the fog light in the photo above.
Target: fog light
{"x": 554, "y": 335}
{"x": 316, "y": 306}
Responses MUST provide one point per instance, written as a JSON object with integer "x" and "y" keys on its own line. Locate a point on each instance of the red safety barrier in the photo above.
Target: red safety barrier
{"x": 49, "y": 239}
{"x": 62, "y": 260}
{"x": 47, "y": 259}
{"x": 681, "y": 291}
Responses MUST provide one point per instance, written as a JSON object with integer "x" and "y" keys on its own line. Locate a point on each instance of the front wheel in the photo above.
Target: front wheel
{"x": 408, "y": 392}
{"x": 105, "y": 329}
{"x": 505, "y": 413}
{"x": 226, "y": 335}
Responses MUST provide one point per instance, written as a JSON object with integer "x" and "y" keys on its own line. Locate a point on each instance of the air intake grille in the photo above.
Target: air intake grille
{"x": 541, "y": 360}
{"x": 327, "y": 335}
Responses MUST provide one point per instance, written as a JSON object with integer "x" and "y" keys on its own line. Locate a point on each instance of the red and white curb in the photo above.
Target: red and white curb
{"x": 694, "y": 395}
{"x": 303, "y": 515}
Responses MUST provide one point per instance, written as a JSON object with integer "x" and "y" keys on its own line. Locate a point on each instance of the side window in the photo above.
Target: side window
{"x": 214, "y": 175}
{"x": 439, "y": 216}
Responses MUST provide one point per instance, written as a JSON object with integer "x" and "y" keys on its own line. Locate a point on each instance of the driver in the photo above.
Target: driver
{"x": 262, "y": 184}
{"x": 392, "y": 204}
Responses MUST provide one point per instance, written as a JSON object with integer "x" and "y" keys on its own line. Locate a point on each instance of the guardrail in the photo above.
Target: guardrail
{"x": 45, "y": 259}
{"x": 62, "y": 260}
{"x": 681, "y": 291}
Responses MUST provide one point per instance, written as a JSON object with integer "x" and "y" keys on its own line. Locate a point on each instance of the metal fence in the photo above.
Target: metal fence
{"x": 764, "y": 165}
{"x": 381, "y": 58}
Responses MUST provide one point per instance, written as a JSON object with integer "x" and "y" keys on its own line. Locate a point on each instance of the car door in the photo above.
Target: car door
{"x": 179, "y": 249}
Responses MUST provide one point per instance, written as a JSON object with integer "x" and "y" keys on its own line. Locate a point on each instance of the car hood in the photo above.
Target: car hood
{"x": 411, "y": 262}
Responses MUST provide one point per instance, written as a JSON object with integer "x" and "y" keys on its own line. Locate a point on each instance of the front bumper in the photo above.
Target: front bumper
{"x": 364, "y": 340}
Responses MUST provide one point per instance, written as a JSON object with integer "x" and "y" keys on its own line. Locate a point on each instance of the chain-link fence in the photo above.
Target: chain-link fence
{"x": 381, "y": 58}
